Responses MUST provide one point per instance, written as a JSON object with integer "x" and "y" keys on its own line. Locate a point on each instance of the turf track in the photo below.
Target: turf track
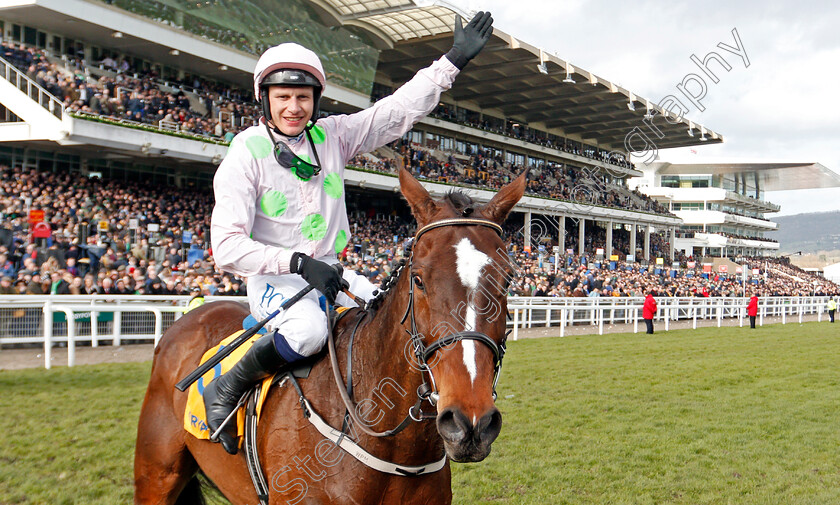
{"x": 712, "y": 415}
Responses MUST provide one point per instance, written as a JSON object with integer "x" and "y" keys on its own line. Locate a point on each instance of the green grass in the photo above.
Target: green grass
{"x": 68, "y": 433}
{"x": 712, "y": 415}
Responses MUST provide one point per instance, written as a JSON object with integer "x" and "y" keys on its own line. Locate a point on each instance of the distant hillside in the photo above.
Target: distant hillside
{"x": 814, "y": 232}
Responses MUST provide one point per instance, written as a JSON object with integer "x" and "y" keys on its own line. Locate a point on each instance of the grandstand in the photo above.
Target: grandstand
{"x": 722, "y": 204}
{"x": 114, "y": 115}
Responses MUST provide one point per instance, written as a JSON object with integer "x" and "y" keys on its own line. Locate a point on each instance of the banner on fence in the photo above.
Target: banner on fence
{"x": 82, "y": 317}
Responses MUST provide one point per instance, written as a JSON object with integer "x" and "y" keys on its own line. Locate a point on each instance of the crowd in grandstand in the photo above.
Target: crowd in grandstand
{"x": 482, "y": 170}
{"x": 121, "y": 93}
{"x": 124, "y": 93}
{"x": 100, "y": 241}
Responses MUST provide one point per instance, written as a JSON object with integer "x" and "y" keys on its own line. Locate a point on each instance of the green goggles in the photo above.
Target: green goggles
{"x": 300, "y": 167}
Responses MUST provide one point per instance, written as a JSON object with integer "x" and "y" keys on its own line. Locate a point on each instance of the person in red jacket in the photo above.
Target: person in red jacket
{"x": 752, "y": 310}
{"x": 649, "y": 311}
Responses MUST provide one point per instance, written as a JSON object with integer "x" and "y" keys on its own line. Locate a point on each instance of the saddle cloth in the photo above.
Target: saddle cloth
{"x": 195, "y": 421}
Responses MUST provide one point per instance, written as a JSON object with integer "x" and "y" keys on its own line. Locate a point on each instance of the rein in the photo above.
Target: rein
{"x": 425, "y": 392}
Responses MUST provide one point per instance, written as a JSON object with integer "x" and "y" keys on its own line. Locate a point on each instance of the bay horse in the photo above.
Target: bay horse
{"x": 451, "y": 301}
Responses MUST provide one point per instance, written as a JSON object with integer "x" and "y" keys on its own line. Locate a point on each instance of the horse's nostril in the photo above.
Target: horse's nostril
{"x": 453, "y": 425}
{"x": 489, "y": 426}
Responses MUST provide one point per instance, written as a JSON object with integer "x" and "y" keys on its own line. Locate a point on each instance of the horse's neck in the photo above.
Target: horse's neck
{"x": 388, "y": 377}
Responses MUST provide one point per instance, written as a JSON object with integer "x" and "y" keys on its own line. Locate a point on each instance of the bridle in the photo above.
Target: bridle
{"x": 422, "y": 352}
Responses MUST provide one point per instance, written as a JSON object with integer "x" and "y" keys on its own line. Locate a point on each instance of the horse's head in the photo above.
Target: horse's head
{"x": 459, "y": 273}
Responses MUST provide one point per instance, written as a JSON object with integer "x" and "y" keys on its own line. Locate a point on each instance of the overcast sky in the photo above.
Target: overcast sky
{"x": 784, "y": 106}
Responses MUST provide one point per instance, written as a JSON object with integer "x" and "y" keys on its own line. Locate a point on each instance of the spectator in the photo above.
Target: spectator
{"x": 752, "y": 310}
{"x": 649, "y": 311}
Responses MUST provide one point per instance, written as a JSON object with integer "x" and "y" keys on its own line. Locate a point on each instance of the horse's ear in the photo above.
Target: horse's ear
{"x": 422, "y": 205}
{"x": 498, "y": 208}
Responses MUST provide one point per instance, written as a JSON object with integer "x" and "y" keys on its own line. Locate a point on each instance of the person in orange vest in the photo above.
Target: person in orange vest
{"x": 752, "y": 310}
{"x": 649, "y": 311}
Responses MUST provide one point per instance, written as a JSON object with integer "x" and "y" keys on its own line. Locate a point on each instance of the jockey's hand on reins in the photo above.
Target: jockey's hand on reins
{"x": 325, "y": 278}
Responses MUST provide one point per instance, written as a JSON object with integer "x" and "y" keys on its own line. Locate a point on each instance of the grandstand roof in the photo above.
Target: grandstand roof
{"x": 774, "y": 175}
{"x": 521, "y": 81}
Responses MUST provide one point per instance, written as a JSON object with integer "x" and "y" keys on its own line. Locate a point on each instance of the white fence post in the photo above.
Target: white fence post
{"x": 158, "y": 325}
{"x": 516, "y": 323}
{"x": 563, "y": 319}
{"x": 48, "y": 333}
{"x": 71, "y": 336}
{"x": 94, "y": 327}
{"x": 117, "y": 329}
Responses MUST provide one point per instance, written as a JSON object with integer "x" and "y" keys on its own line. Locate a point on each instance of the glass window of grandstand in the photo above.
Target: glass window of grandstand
{"x": 466, "y": 148}
{"x": 686, "y": 205}
{"x": 494, "y": 124}
{"x": 514, "y": 158}
{"x": 686, "y": 181}
{"x": 16, "y": 33}
{"x": 471, "y": 117}
{"x": 442, "y": 142}
{"x": 414, "y": 137}
{"x": 444, "y": 111}
{"x": 535, "y": 162}
{"x": 380, "y": 91}
{"x": 30, "y": 35}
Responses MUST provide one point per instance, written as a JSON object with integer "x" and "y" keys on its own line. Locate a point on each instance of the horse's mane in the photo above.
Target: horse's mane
{"x": 461, "y": 203}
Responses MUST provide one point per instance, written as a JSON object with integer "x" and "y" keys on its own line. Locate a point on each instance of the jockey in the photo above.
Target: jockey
{"x": 280, "y": 217}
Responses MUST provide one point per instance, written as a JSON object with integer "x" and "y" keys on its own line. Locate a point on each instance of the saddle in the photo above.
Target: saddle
{"x": 194, "y": 414}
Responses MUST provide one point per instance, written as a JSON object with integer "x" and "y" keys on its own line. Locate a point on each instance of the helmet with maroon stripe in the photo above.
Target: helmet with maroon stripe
{"x": 289, "y": 64}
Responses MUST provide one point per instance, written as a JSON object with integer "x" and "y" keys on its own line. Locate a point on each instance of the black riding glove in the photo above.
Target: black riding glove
{"x": 325, "y": 278}
{"x": 470, "y": 39}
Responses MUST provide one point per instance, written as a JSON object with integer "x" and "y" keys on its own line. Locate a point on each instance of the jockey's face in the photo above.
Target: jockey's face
{"x": 291, "y": 108}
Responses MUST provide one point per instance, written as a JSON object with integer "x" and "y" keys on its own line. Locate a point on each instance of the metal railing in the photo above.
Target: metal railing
{"x": 531, "y": 312}
{"x": 32, "y": 89}
{"x": 69, "y": 320}
{"x": 72, "y": 319}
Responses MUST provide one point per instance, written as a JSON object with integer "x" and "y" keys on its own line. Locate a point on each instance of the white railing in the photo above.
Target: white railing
{"x": 32, "y": 89}
{"x": 531, "y": 312}
{"x": 50, "y": 319}
{"x": 169, "y": 125}
{"x": 70, "y": 319}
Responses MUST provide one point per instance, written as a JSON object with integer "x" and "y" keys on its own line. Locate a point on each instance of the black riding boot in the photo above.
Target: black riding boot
{"x": 222, "y": 394}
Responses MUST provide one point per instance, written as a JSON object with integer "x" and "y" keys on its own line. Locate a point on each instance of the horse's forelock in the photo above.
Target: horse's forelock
{"x": 458, "y": 200}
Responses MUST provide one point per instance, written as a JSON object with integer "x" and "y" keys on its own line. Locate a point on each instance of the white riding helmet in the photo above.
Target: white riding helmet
{"x": 289, "y": 57}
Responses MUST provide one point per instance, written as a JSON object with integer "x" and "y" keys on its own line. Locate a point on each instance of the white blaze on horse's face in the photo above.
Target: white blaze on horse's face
{"x": 468, "y": 262}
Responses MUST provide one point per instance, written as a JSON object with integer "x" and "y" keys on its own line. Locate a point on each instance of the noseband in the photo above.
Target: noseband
{"x": 423, "y": 352}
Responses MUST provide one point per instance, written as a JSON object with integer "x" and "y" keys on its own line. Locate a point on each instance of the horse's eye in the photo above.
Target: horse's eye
{"x": 418, "y": 281}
